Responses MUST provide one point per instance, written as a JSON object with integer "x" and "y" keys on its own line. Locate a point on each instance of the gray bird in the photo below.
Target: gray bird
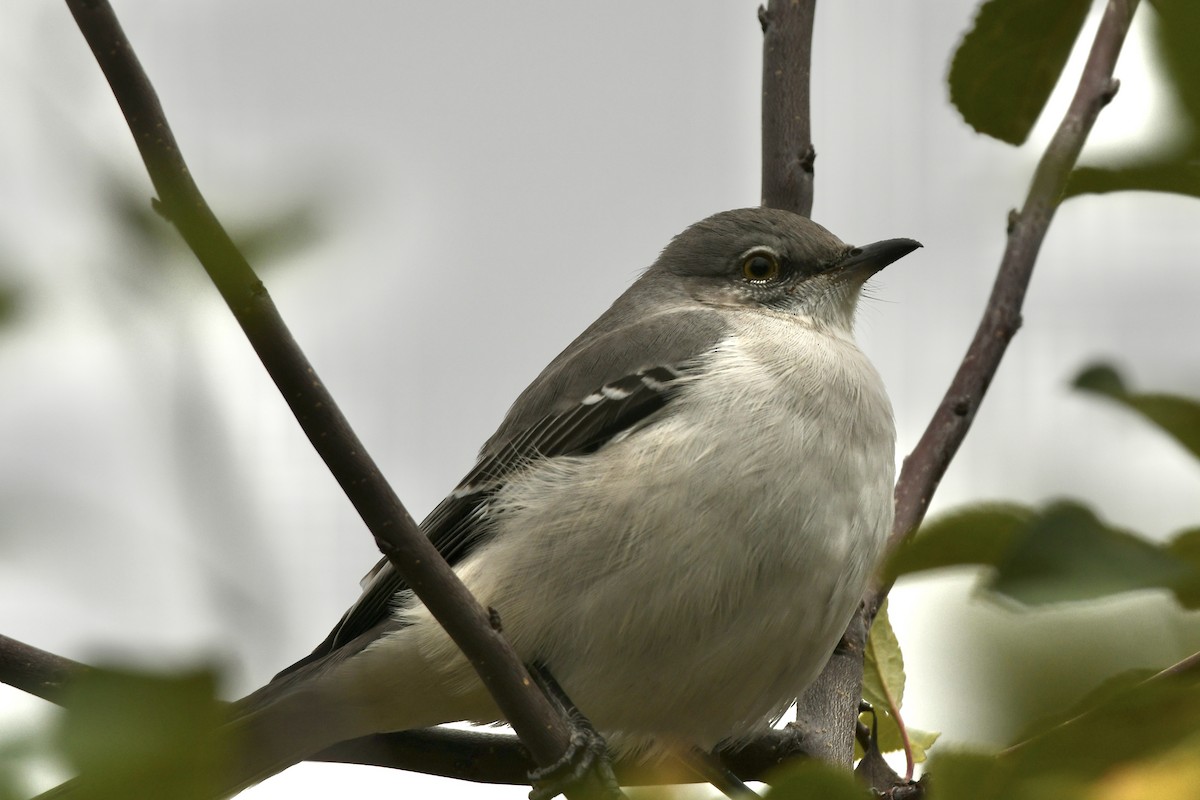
{"x": 677, "y": 518}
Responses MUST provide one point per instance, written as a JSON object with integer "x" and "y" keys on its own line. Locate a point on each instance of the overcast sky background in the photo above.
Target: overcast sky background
{"x": 487, "y": 177}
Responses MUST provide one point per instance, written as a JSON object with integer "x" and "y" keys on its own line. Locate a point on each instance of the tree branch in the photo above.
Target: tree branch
{"x": 496, "y": 758}
{"x": 35, "y": 671}
{"x": 787, "y": 148}
{"x": 924, "y": 468}
{"x": 536, "y": 721}
{"x": 465, "y": 755}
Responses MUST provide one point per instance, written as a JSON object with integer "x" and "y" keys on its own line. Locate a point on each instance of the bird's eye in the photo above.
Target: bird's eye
{"x": 760, "y": 266}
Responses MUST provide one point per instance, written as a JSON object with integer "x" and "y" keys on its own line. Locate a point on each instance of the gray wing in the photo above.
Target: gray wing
{"x": 592, "y": 393}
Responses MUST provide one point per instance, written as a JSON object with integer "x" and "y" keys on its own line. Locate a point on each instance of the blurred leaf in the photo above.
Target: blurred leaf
{"x": 1176, "y": 31}
{"x": 963, "y": 775}
{"x": 975, "y": 535}
{"x": 13, "y": 753}
{"x": 1067, "y": 554}
{"x": 1186, "y": 547}
{"x": 1102, "y": 379}
{"x": 1175, "y": 773}
{"x": 286, "y": 231}
{"x": 1174, "y": 167}
{"x": 133, "y": 734}
{"x": 1008, "y": 63}
{"x": 1174, "y": 171}
{"x": 9, "y": 303}
{"x": 806, "y": 780}
{"x": 1061, "y": 553}
{"x": 1114, "y": 746}
{"x": 1178, "y": 416}
{"x": 1114, "y": 726}
{"x": 260, "y": 240}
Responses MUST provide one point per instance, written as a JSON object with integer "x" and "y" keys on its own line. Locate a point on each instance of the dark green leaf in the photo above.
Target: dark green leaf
{"x": 977, "y": 535}
{"x": 1186, "y": 547}
{"x": 1176, "y": 32}
{"x": 1173, "y": 171}
{"x": 132, "y": 734}
{"x": 1067, "y": 554}
{"x": 1178, "y": 416}
{"x": 812, "y": 779}
{"x": 961, "y": 775}
{"x": 1008, "y": 63}
{"x": 1101, "y": 378}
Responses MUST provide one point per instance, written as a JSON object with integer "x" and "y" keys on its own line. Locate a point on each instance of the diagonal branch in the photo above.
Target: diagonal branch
{"x": 924, "y": 468}
{"x": 539, "y": 725}
{"x": 35, "y": 671}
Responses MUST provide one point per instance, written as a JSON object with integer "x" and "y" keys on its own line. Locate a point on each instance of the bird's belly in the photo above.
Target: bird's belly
{"x": 690, "y": 583}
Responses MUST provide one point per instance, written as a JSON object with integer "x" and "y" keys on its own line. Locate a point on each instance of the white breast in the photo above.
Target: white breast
{"x": 699, "y": 572}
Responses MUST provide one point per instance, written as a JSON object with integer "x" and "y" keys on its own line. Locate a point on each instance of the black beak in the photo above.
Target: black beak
{"x": 869, "y": 259}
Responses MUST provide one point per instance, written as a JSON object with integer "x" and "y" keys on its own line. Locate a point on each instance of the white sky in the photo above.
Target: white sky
{"x": 491, "y": 177}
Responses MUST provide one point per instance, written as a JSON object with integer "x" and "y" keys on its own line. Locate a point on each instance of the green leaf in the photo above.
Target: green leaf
{"x": 1067, "y": 554}
{"x": 883, "y": 665}
{"x": 1008, "y": 63}
{"x": 134, "y": 734}
{"x": 806, "y": 780}
{"x": 976, "y": 535}
{"x": 883, "y": 688}
{"x": 1177, "y": 416}
{"x": 1185, "y": 546}
{"x": 1176, "y": 31}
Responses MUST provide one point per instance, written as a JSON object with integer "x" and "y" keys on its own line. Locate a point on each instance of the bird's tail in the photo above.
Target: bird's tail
{"x": 283, "y": 732}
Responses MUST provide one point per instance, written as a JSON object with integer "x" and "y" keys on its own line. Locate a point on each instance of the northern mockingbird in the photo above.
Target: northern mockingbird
{"x": 677, "y": 518}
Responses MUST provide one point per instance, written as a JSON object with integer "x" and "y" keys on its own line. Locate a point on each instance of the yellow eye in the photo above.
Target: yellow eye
{"x": 760, "y": 266}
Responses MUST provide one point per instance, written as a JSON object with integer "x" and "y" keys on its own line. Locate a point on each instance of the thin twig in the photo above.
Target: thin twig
{"x": 924, "y": 468}
{"x": 787, "y": 148}
{"x": 35, "y": 671}
{"x": 536, "y": 721}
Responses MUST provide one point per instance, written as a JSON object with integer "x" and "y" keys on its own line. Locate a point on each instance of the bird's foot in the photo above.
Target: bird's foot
{"x": 584, "y": 762}
{"x": 585, "y": 759}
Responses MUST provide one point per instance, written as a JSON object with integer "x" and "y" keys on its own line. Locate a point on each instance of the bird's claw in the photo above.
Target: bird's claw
{"x": 586, "y": 753}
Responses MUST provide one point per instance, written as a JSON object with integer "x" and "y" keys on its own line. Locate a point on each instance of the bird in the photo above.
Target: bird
{"x": 677, "y": 518}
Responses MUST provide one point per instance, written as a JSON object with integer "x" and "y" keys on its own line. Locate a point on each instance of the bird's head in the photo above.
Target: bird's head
{"x": 778, "y": 260}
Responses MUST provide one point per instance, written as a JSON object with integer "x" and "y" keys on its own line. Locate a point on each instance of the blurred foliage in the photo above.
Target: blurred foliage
{"x": 1126, "y": 740}
{"x": 1064, "y": 552}
{"x": 1009, "y": 62}
{"x": 136, "y": 734}
{"x": 1175, "y": 166}
{"x": 1177, "y": 416}
{"x": 1060, "y": 553}
{"x": 13, "y": 754}
{"x": 1130, "y": 737}
{"x": 9, "y": 303}
{"x": 262, "y": 240}
{"x": 806, "y": 780}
